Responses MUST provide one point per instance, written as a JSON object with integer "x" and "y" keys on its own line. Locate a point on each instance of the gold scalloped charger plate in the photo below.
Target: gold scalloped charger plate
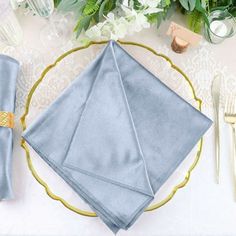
{"x": 59, "y": 75}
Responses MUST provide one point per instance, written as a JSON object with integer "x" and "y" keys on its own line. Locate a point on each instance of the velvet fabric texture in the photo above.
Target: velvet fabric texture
{"x": 115, "y": 135}
{"x": 8, "y": 74}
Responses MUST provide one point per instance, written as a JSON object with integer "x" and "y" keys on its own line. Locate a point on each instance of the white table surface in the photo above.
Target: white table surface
{"x": 201, "y": 208}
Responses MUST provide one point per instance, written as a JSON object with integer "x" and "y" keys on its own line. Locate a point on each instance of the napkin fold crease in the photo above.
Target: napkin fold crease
{"x": 116, "y": 135}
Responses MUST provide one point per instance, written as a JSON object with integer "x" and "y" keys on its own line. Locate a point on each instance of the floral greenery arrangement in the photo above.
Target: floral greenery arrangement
{"x": 113, "y": 19}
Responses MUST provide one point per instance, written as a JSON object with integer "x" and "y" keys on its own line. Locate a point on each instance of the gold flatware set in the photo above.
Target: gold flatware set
{"x": 229, "y": 118}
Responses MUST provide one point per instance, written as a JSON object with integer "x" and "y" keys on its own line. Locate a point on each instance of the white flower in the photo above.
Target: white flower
{"x": 140, "y": 22}
{"x": 94, "y": 32}
{"x": 150, "y": 3}
{"x": 150, "y": 6}
{"x": 151, "y": 10}
{"x": 121, "y": 27}
{"x": 125, "y": 3}
{"x": 116, "y": 26}
{"x": 110, "y": 17}
{"x": 137, "y": 19}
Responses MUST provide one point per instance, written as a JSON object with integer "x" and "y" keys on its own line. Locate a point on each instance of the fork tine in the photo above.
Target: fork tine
{"x": 227, "y": 105}
{"x": 234, "y": 98}
{"x": 232, "y": 104}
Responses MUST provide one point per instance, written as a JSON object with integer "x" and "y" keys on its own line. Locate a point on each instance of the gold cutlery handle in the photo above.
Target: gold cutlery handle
{"x": 217, "y": 146}
{"x": 215, "y": 91}
{"x": 234, "y": 156}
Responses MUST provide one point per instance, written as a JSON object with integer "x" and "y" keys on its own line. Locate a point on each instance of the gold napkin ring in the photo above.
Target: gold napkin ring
{"x": 6, "y": 119}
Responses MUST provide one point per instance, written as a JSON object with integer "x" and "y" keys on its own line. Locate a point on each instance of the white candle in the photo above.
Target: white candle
{"x": 218, "y": 28}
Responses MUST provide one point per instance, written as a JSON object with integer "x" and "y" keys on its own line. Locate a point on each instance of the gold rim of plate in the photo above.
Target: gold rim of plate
{"x": 24, "y": 145}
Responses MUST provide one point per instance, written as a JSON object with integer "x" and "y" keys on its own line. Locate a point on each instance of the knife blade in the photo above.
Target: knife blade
{"x": 215, "y": 91}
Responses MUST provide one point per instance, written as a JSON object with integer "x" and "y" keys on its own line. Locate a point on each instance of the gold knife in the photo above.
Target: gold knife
{"x": 215, "y": 91}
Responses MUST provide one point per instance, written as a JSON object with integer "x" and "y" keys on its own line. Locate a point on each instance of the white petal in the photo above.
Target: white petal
{"x": 151, "y": 10}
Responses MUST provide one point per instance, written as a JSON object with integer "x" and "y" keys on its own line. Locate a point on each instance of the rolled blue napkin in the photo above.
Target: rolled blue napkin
{"x": 8, "y": 74}
{"x": 116, "y": 135}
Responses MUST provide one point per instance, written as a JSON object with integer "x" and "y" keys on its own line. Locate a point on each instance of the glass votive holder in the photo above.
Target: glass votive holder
{"x": 222, "y": 25}
{"x": 10, "y": 29}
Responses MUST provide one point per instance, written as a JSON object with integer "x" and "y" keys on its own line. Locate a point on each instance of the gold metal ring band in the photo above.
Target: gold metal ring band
{"x": 6, "y": 119}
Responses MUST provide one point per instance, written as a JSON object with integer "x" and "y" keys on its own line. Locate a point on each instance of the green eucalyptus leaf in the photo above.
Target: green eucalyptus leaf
{"x": 204, "y": 3}
{"x": 232, "y": 11}
{"x": 169, "y": 11}
{"x": 194, "y": 21}
{"x": 76, "y": 6}
{"x": 70, "y": 5}
{"x": 82, "y": 24}
{"x": 222, "y": 8}
{"x": 203, "y": 11}
{"x": 101, "y": 9}
{"x": 167, "y": 2}
{"x": 188, "y": 5}
{"x": 152, "y": 18}
{"x": 57, "y": 2}
{"x": 159, "y": 19}
{"x": 165, "y": 14}
{"x": 91, "y": 7}
{"x": 136, "y": 4}
{"x": 96, "y": 17}
{"x": 111, "y": 4}
{"x": 163, "y": 3}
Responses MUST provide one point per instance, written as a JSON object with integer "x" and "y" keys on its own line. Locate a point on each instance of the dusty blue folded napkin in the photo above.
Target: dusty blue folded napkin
{"x": 8, "y": 74}
{"x": 116, "y": 135}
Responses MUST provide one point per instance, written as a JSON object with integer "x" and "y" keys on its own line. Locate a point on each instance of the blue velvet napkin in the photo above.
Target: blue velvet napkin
{"x": 8, "y": 75}
{"x": 116, "y": 135}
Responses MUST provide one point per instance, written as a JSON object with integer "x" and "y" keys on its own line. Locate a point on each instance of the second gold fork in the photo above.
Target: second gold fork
{"x": 230, "y": 118}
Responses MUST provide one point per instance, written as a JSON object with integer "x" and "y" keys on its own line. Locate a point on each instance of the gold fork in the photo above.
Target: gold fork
{"x": 230, "y": 118}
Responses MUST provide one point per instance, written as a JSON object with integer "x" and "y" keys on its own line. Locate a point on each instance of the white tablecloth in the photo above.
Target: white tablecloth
{"x": 201, "y": 208}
